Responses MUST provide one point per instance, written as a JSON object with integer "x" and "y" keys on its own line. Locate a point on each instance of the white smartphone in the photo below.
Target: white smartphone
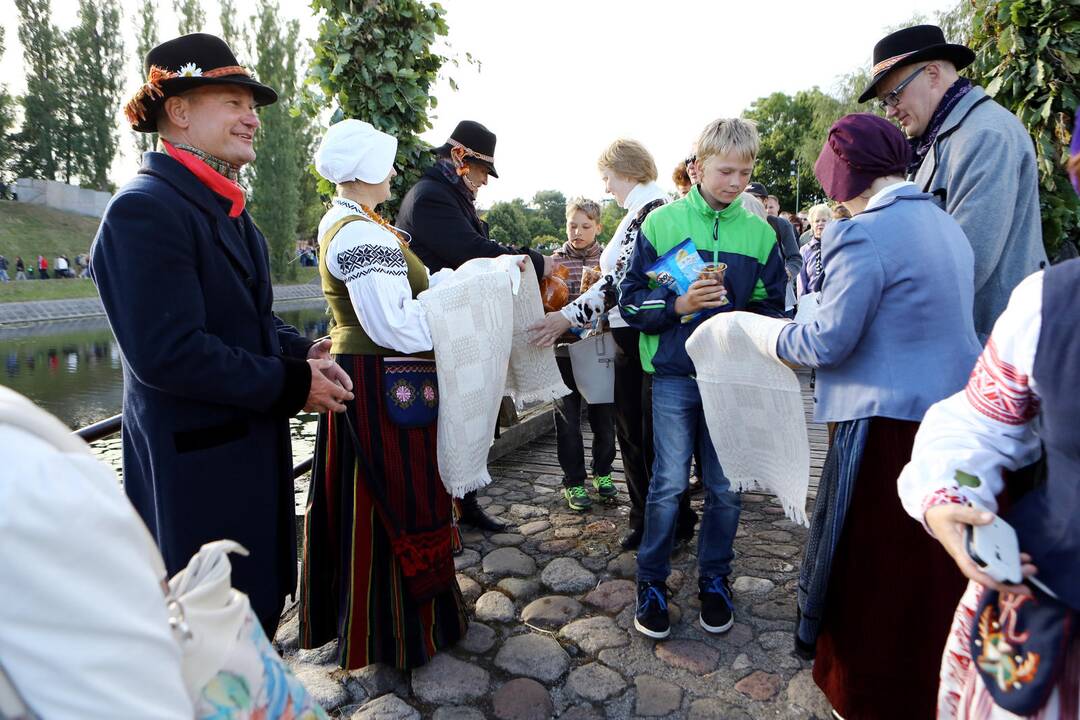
{"x": 996, "y": 551}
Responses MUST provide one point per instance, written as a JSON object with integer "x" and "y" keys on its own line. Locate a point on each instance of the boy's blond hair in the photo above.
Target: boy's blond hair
{"x": 728, "y": 136}
{"x": 630, "y": 159}
{"x": 591, "y": 208}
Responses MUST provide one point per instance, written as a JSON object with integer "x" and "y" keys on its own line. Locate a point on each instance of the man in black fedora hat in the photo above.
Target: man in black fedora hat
{"x": 439, "y": 212}
{"x": 211, "y": 375}
{"x": 970, "y": 152}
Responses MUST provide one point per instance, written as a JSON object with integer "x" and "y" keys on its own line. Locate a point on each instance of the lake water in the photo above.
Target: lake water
{"x": 72, "y": 369}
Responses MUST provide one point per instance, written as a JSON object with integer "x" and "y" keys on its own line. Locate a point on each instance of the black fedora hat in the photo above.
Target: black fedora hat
{"x": 477, "y": 141}
{"x": 187, "y": 62}
{"x": 912, "y": 45}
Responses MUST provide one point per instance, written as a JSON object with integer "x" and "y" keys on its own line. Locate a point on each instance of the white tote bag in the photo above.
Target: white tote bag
{"x": 593, "y": 362}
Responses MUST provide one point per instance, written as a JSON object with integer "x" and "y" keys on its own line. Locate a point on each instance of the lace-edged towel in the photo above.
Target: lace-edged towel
{"x": 533, "y": 375}
{"x": 753, "y": 407}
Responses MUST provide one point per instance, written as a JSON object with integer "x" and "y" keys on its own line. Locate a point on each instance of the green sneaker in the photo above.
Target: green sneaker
{"x": 604, "y": 487}
{"x": 577, "y": 498}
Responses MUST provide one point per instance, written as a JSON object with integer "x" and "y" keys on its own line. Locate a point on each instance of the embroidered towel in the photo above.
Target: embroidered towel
{"x": 470, "y": 315}
{"x": 533, "y": 375}
{"x": 753, "y": 407}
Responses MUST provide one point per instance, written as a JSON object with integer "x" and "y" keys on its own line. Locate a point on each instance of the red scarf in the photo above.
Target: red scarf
{"x": 209, "y": 177}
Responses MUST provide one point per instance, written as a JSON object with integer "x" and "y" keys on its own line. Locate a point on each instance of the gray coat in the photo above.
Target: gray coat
{"x": 982, "y": 171}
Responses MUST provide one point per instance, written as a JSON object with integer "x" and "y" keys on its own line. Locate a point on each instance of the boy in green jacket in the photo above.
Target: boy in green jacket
{"x": 713, "y": 217}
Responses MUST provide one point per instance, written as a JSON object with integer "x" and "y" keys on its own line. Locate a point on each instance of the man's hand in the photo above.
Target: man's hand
{"x": 948, "y": 522}
{"x": 701, "y": 295}
{"x": 330, "y": 387}
{"x": 320, "y": 349}
{"x": 549, "y": 265}
{"x": 544, "y": 332}
{"x": 523, "y": 263}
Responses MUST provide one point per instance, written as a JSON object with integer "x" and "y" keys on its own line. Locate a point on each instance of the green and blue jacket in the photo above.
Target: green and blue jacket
{"x": 755, "y": 277}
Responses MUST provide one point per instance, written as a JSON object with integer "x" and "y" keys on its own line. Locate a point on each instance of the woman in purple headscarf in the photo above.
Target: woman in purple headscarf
{"x": 894, "y": 333}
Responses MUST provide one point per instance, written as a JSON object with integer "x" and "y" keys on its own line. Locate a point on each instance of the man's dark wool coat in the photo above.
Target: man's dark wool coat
{"x": 445, "y": 229}
{"x": 211, "y": 376}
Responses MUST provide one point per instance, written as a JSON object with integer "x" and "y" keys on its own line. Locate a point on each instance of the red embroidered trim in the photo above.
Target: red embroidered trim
{"x": 227, "y": 70}
{"x": 999, "y": 391}
{"x": 210, "y": 178}
{"x": 943, "y": 496}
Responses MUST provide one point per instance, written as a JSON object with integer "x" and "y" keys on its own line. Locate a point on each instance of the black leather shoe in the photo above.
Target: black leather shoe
{"x": 632, "y": 537}
{"x": 474, "y": 515}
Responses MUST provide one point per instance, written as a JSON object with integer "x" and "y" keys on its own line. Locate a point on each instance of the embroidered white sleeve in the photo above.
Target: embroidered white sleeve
{"x": 967, "y": 440}
{"x": 370, "y": 262}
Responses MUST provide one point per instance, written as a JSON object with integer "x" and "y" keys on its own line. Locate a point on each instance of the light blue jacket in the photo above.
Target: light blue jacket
{"x": 894, "y": 333}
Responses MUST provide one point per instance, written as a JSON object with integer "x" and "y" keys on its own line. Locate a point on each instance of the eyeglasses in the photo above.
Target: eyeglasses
{"x": 893, "y": 98}
{"x": 690, "y": 160}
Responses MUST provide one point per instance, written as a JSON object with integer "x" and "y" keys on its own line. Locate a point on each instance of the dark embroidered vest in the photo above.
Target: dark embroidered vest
{"x": 347, "y": 335}
{"x": 1047, "y": 519}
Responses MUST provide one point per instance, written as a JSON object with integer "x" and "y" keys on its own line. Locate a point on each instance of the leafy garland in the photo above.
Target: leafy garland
{"x": 374, "y": 61}
{"x": 1028, "y": 59}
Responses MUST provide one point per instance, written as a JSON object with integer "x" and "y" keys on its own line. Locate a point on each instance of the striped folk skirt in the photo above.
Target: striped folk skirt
{"x": 378, "y": 570}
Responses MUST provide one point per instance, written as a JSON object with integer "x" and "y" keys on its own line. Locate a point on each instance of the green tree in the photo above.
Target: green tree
{"x": 190, "y": 16}
{"x": 374, "y": 60}
{"x": 231, "y": 31}
{"x": 36, "y": 140}
{"x": 67, "y": 134}
{"x": 610, "y": 217}
{"x": 146, "y": 38}
{"x": 278, "y": 167}
{"x": 552, "y": 205}
{"x": 7, "y": 122}
{"x": 509, "y": 223}
{"x": 784, "y": 126}
{"x": 1028, "y": 59}
{"x": 96, "y": 88}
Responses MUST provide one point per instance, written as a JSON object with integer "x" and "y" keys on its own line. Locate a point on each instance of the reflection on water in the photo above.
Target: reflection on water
{"x": 72, "y": 368}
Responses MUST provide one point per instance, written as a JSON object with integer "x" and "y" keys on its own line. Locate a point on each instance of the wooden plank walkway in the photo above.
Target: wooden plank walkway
{"x": 539, "y": 457}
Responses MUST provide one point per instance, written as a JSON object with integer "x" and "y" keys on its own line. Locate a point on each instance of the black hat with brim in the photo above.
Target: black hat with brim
{"x": 477, "y": 141}
{"x": 909, "y": 46}
{"x": 183, "y": 64}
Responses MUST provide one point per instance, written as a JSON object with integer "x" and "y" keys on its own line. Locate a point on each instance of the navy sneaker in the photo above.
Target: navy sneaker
{"x": 717, "y": 609}
{"x": 652, "y": 619}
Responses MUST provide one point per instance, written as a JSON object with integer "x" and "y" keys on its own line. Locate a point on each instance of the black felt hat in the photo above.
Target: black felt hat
{"x": 757, "y": 190}
{"x": 477, "y": 141}
{"x": 184, "y": 63}
{"x": 912, "y": 45}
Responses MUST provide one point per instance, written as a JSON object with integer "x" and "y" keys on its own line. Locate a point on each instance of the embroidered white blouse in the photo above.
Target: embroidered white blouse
{"x": 967, "y": 440}
{"x": 370, "y": 262}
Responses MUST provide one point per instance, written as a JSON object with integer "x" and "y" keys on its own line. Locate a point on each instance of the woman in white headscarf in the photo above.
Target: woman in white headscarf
{"x": 378, "y": 570}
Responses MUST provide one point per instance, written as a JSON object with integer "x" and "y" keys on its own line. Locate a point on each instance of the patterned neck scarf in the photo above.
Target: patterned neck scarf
{"x": 449, "y": 171}
{"x": 920, "y": 146}
{"x": 221, "y": 167}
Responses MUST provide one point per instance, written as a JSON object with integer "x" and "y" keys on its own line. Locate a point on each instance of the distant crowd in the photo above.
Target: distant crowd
{"x": 62, "y": 268}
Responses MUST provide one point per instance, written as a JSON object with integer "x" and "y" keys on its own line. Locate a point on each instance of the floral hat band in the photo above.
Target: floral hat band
{"x": 470, "y": 152}
{"x": 183, "y": 64}
{"x": 137, "y": 109}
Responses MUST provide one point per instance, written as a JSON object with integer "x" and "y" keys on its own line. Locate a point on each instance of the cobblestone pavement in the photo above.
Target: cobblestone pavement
{"x": 551, "y": 605}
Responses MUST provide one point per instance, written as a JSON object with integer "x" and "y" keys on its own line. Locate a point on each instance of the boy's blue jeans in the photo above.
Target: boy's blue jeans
{"x": 679, "y": 423}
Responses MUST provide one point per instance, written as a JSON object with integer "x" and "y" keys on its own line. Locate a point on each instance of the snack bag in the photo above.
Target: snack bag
{"x": 677, "y": 269}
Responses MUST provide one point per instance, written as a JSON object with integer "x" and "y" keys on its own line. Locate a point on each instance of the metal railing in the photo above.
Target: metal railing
{"x": 110, "y": 426}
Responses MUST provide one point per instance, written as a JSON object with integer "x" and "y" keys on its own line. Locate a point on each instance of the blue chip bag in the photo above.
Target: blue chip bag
{"x": 677, "y": 269}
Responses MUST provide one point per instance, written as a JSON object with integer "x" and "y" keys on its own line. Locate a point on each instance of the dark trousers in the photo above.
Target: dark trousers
{"x": 571, "y": 445}
{"x": 633, "y": 425}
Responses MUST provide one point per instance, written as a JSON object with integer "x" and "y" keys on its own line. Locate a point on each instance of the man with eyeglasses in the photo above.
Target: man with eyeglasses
{"x": 970, "y": 152}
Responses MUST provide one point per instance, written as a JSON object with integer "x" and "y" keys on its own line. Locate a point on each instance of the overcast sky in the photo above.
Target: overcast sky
{"x": 559, "y": 80}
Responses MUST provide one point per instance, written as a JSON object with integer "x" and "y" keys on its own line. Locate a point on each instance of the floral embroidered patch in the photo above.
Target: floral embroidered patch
{"x": 430, "y": 395}
{"x": 403, "y": 394}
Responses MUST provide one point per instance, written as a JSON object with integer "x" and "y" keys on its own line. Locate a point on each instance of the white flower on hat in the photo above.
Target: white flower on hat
{"x": 189, "y": 70}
